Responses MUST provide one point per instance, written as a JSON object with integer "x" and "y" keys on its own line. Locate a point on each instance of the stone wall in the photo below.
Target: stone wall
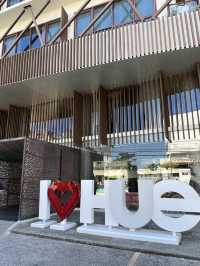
{"x": 10, "y": 180}
{"x": 44, "y": 161}
{"x": 41, "y": 161}
{"x": 20, "y": 177}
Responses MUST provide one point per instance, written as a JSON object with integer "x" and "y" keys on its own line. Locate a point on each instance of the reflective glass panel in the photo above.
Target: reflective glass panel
{"x": 7, "y": 44}
{"x": 105, "y": 21}
{"x": 82, "y": 22}
{"x": 23, "y": 43}
{"x": 123, "y": 12}
{"x": 35, "y": 41}
{"x": 145, "y": 7}
{"x": 52, "y": 30}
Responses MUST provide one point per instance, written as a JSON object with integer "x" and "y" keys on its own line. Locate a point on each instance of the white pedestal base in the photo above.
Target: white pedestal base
{"x": 42, "y": 224}
{"x": 163, "y": 237}
{"x": 63, "y": 226}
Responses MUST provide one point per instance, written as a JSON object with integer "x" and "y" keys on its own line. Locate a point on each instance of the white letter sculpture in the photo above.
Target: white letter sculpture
{"x": 44, "y": 206}
{"x": 151, "y": 207}
{"x": 189, "y": 203}
{"x": 118, "y": 209}
{"x": 89, "y": 202}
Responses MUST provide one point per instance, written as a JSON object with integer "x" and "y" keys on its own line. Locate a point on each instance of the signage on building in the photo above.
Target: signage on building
{"x": 172, "y": 215}
{"x": 175, "y": 215}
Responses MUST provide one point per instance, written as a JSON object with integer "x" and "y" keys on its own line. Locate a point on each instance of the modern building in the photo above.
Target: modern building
{"x": 89, "y": 80}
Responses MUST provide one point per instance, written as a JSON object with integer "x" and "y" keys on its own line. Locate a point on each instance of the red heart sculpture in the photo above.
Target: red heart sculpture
{"x": 64, "y": 210}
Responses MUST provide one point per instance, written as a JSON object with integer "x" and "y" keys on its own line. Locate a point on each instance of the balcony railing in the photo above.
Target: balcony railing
{"x": 164, "y": 34}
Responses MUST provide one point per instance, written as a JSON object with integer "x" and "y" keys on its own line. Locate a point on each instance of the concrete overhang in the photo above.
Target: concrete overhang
{"x": 109, "y": 76}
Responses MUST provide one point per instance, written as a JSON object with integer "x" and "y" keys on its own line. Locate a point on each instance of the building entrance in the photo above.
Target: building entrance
{"x": 11, "y": 158}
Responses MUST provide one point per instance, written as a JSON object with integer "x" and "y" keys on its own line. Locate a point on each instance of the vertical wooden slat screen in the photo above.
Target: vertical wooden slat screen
{"x": 17, "y": 122}
{"x": 78, "y": 119}
{"x": 167, "y": 107}
{"x": 162, "y": 35}
{"x": 91, "y": 119}
{"x": 164, "y": 108}
{"x": 165, "y": 122}
{"x": 103, "y": 125}
{"x": 184, "y": 104}
{"x": 52, "y": 120}
{"x": 134, "y": 114}
{"x": 3, "y": 124}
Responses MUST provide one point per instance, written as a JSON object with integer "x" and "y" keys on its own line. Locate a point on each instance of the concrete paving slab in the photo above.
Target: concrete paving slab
{"x": 20, "y": 250}
{"x": 152, "y": 260}
{"x": 189, "y": 247}
{"x": 4, "y": 225}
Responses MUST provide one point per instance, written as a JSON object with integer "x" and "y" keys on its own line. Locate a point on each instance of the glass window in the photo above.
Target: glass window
{"x": 35, "y": 41}
{"x": 13, "y": 2}
{"x": 123, "y": 12}
{"x": 145, "y": 7}
{"x": 30, "y": 39}
{"x": 175, "y": 9}
{"x": 23, "y": 43}
{"x": 82, "y": 22}
{"x": 105, "y": 21}
{"x": 52, "y": 30}
{"x": 7, "y": 44}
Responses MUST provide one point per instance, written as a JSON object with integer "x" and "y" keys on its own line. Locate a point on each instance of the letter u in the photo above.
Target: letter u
{"x": 119, "y": 211}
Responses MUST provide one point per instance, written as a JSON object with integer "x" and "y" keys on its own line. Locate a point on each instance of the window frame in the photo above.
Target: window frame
{"x": 30, "y": 31}
{"x": 91, "y": 9}
{"x": 154, "y": 9}
{"x": 9, "y": 36}
{"x": 112, "y": 15}
{"x": 82, "y": 13}
{"x": 47, "y": 26}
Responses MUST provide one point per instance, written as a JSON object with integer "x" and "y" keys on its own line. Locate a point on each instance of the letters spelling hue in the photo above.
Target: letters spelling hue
{"x": 151, "y": 205}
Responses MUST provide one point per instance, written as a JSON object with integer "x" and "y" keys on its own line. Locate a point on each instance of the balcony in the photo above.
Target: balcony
{"x": 166, "y": 34}
{"x": 127, "y": 59}
{"x": 110, "y": 58}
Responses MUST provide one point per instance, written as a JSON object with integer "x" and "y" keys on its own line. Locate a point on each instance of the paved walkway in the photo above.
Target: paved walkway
{"x": 189, "y": 248}
{"x": 24, "y": 250}
{"x": 8, "y": 218}
{"x": 19, "y": 250}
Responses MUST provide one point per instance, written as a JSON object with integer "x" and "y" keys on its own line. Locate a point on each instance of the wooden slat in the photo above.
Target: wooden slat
{"x": 168, "y": 105}
{"x": 78, "y": 125}
{"x": 164, "y": 108}
{"x": 165, "y": 34}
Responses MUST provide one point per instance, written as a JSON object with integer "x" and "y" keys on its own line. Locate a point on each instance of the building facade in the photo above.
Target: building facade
{"x": 120, "y": 78}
